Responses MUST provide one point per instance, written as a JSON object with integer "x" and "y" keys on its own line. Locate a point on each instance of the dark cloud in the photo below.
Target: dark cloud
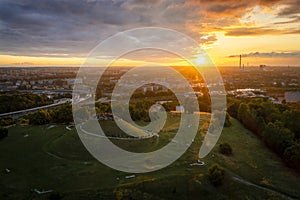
{"x": 221, "y": 8}
{"x": 74, "y": 27}
{"x": 254, "y": 31}
{"x": 292, "y": 9}
{"x": 31, "y": 27}
{"x": 295, "y": 19}
{"x": 295, "y": 54}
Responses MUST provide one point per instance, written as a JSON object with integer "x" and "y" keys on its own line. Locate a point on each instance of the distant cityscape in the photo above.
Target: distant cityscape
{"x": 279, "y": 84}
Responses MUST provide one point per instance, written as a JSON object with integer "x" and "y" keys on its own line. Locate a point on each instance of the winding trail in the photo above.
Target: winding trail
{"x": 117, "y": 138}
{"x": 237, "y": 178}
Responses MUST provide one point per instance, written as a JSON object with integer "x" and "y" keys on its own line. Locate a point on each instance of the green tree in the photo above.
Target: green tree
{"x": 103, "y": 108}
{"x": 291, "y": 119}
{"x": 292, "y": 156}
{"x": 278, "y": 137}
{"x": 20, "y": 101}
{"x": 39, "y": 117}
{"x": 233, "y": 107}
{"x": 62, "y": 114}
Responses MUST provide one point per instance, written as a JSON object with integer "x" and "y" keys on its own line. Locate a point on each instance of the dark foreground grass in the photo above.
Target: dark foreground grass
{"x": 54, "y": 158}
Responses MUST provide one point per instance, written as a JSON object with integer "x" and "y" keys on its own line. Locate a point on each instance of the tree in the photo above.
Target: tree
{"x": 62, "y": 114}
{"x": 278, "y": 137}
{"x": 39, "y": 117}
{"x": 233, "y": 107}
{"x": 225, "y": 149}
{"x": 216, "y": 174}
{"x": 291, "y": 119}
{"x": 243, "y": 112}
{"x": 248, "y": 117}
{"x": 102, "y": 108}
{"x": 277, "y": 125}
{"x": 169, "y": 106}
{"x": 292, "y": 156}
{"x": 20, "y": 101}
{"x": 6, "y": 121}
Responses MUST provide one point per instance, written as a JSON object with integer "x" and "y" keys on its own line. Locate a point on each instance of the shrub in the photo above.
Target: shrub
{"x": 225, "y": 149}
{"x": 6, "y": 121}
{"x": 216, "y": 174}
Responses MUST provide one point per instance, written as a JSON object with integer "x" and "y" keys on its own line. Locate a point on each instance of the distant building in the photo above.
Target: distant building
{"x": 180, "y": 109}
{"x": 262, "y": 67}
{"x": 292, "y": 97}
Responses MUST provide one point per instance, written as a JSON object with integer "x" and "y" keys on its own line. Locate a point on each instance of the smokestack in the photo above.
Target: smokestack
{"x": 240, "y": 61}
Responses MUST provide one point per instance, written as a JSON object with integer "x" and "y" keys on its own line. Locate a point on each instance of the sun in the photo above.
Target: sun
{"x": 200, "y": 60}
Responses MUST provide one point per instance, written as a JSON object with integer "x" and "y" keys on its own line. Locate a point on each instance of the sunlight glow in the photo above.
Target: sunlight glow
{"x": 200, "y": 60}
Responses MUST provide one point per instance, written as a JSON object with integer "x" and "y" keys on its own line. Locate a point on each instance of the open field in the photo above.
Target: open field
{"x": 53, "y": 158}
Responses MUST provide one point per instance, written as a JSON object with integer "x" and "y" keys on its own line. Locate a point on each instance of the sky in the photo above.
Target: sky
{"x": 63, "y": 32}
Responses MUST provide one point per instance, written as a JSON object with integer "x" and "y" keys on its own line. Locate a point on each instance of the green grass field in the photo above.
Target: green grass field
{"x": 54, "y": 158}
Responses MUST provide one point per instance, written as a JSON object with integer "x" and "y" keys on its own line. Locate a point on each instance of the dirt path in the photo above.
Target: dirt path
{"x": 241, "y": 180}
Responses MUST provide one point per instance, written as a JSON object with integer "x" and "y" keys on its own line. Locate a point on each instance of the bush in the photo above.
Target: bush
{"x": 216, "y": 174}
{"x": 6, "y": 121}
{"x": 225, "y": 149}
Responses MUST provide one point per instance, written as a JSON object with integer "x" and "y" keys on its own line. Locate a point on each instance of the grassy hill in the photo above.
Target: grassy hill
{"x": 46, "y": 157}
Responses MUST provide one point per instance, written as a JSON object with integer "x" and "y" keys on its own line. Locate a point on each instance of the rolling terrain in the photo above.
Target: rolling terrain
{"x": 52, "y": 157}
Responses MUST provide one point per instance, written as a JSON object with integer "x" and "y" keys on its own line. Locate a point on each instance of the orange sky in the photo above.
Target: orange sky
{"x": 264, "y": 32}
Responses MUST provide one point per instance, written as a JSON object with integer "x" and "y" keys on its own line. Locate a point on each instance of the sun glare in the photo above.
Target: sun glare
{"x": 200, "y": 60}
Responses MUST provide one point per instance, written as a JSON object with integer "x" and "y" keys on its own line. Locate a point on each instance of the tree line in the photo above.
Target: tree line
{"x": 61, "y": 114}
{"x": 21, "y": 101}
{"x": 278, "y": 125}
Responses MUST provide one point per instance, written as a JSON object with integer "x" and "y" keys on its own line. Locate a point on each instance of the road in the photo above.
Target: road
{"x": 22, "y": 112}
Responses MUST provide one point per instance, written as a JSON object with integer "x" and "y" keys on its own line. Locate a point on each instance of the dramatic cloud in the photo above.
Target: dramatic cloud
{"x": 295, "y": 19}
{"x": 64, "y": 28}
{"x": 295, "y": 54}
{"x": 59, "y": 27}
{"x": 258, "y": 31}
{"x": 292, "y": 8}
